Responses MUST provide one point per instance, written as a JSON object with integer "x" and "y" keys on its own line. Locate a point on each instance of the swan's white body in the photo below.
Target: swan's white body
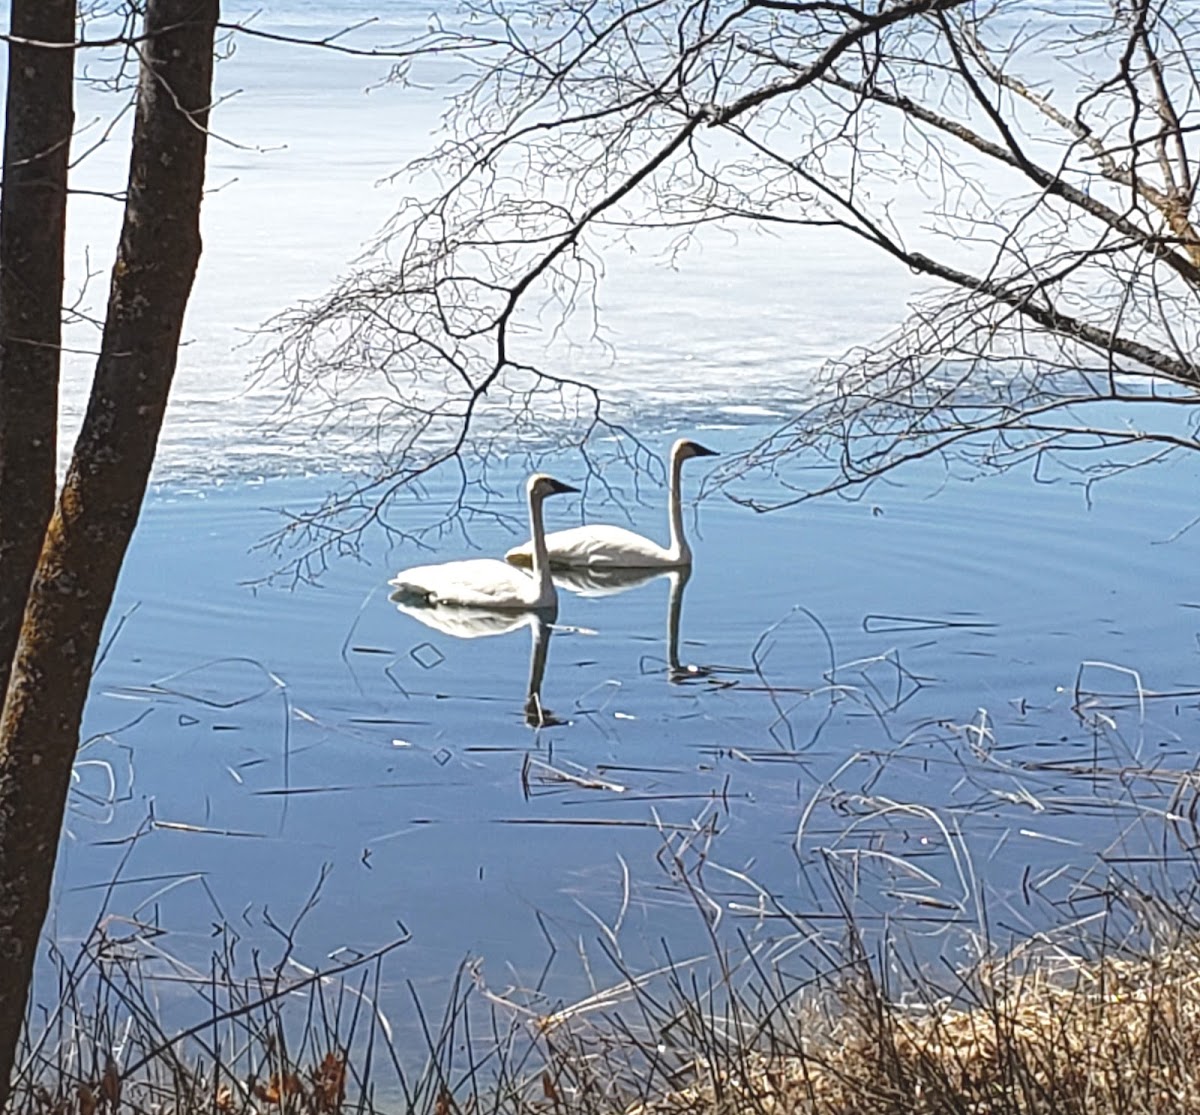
{"x": 487, "y": 582}
{"x": 602, "y": 545}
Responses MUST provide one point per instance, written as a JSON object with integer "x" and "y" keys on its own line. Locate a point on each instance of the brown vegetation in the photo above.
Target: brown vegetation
{"x": 1042, "y": 1029}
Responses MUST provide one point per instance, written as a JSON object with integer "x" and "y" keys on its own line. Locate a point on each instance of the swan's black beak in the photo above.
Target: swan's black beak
{"x": 558, "y": 488}
{"x": 699, "y": 450}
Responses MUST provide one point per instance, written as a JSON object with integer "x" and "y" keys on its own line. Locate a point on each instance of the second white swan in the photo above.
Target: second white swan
{"x": 487, "y": 582}
{"x": 602, "y": 545}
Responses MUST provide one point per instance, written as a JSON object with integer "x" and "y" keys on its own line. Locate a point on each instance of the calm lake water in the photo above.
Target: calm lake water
{"x": 882, "y": 695}
{"x": 927, "y": 696}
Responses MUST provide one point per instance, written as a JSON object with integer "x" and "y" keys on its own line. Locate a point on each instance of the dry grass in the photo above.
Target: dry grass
{"x": 1044, "y": 1034}
{"x": 1039, "y": 1030}
{"x": 1099, "y": 1018}
{"x": 1036, "y": 1032}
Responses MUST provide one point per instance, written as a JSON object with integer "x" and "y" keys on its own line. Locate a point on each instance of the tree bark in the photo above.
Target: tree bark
{"x": 38, "y": 119}
{"x": 98, "y": 507}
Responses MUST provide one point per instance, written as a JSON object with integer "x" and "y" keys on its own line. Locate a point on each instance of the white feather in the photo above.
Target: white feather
{"x": 487, "y": 582}
{"x": 602, "y": 545}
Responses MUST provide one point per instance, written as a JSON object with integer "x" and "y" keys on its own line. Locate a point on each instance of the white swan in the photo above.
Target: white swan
{"x": 602, "y": 545}
{"x": 487, "y": 582}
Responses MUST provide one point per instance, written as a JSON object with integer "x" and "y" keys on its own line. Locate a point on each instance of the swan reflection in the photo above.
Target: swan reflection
{"x": 594, "y": 581}
{"x": 598, "y": 581}
{"x": 478, "y": 623}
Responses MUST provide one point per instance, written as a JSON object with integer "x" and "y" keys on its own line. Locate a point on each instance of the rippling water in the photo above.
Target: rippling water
{"x": 303, "y": 163}
{"x": 894, "y": 691}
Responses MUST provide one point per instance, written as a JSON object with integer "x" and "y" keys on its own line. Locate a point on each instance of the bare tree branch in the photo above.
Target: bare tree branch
{"x": 1052, "y": 151}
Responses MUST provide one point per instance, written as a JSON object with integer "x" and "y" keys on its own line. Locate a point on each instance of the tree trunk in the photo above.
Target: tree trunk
{"x": 38, "y": 119}
{"x": 102, "y": 494}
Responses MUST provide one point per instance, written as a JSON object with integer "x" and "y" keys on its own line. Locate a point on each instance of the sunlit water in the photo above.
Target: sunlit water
{"x": 934, "y": 639}
{"x": 891, "y": 698}
{"x": 304, "y": 171}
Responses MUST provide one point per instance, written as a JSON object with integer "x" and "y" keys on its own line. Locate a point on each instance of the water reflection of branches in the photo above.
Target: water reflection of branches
{"x": 984, "y": 807}
{"x": 903, "y": 684}
{"x": 115, "y": 789}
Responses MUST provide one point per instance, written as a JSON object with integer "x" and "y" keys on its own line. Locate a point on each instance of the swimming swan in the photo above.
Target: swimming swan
{"x": 487, "y": 582}
{"x": 609, "y": 546}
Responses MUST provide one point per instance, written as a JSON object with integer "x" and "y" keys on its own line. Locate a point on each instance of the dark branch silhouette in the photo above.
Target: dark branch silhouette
{"x": 1036, "y": 168}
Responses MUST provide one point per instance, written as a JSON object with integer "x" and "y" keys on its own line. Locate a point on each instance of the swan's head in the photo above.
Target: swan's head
{"x": 685, "y": 448}
{"x": 539, "y": 486}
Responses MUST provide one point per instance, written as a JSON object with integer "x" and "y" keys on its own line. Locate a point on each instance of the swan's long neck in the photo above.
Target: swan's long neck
{"x": 541, "y": 559}
{"x": 681, "y": 552}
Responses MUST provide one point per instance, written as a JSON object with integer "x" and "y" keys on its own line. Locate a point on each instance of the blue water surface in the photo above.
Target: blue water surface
{"x": 919, "y": 699}
{"x": 941, "y": 699}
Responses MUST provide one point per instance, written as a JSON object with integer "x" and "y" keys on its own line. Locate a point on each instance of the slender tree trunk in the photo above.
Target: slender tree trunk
{"x": 102, "y": 494}
{"x": 38, "y": 119}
